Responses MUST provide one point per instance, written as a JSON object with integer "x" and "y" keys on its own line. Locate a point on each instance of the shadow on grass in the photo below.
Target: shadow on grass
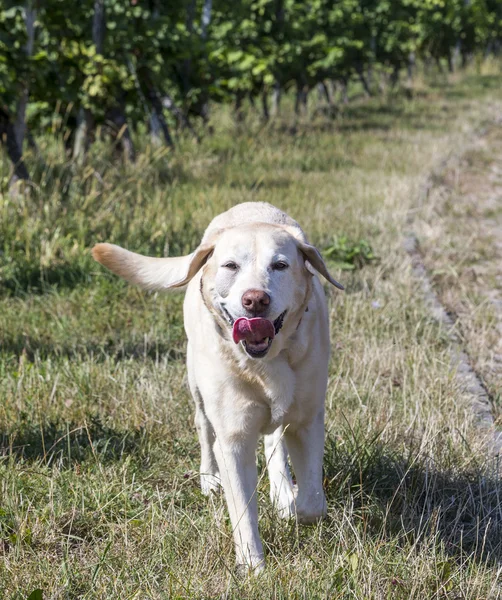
{"x": 409, "y": 497}
{"x": 117, "y": 350}
{"x": 469, "y": 88}
{"x": 399, "y": 496}
{"x": 371, "y": 116}
{"x": 33, "y": 279}
{"x": 71, "y": 444}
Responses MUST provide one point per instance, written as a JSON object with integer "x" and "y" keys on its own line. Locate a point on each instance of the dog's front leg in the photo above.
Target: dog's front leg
{"x": 209, "y": 476}
{"x": 306, "y": 448}
{"x": 237, "y": 467}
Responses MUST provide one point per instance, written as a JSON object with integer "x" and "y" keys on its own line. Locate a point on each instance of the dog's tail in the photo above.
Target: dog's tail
{"x": 148, "y": 272}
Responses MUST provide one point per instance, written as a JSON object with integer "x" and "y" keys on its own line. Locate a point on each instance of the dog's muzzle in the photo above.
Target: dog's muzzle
{"x": 256, "y": 334}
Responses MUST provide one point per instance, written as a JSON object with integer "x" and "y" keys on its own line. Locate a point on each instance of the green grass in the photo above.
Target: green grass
{"x": 99, "y": 493}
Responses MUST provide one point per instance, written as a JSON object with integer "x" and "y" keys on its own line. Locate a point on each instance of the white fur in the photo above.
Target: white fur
{"x": 238, "y": 398}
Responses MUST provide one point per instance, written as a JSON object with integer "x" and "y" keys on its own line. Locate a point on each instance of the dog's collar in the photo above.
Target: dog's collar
{"x": 300, "y": 321}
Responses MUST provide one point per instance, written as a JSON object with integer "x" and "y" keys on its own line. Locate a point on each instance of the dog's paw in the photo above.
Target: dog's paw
{"x": 287, "y": 511}
{"x": 285, "y": 506}
{"x": 209, "y": 483}
{"x": 311, "y": 512}
{"x": 252, "y": 567}
{"x": 283, "y": 500}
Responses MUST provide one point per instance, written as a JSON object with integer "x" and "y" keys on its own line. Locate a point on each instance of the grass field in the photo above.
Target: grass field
{"x": 99, "y": 494}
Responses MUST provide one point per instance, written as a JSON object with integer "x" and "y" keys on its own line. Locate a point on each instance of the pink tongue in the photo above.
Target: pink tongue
{"x": 252, "y": 330}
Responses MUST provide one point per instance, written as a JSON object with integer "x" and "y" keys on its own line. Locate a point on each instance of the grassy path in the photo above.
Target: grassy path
{"x": 461, "y": 236}
{"x": 98, "y": 452}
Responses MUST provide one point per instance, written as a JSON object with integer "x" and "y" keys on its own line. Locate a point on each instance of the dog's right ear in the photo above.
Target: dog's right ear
{"x": 152, "y": 273}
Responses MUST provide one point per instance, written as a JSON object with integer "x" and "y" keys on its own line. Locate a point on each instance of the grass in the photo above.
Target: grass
{"x": 98, "y": 452}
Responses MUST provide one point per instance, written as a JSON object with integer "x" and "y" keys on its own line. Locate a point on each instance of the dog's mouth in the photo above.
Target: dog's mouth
{"x": 255, "y": 334}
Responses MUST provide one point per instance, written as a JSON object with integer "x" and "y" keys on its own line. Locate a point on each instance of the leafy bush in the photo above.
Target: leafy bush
{"x": 349, "y": 255}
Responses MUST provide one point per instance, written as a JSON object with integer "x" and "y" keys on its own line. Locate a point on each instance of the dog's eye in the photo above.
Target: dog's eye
{"x": 280, "y": 266}
{"x": 231, "y": 266}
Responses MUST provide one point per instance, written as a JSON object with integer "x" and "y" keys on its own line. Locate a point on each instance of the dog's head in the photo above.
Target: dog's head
{"x": 256, "y": 279}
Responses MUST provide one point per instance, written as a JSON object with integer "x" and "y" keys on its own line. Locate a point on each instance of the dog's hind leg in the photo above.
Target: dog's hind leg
{"x": 281, "y": 484}
{"x": 209, "y": 474}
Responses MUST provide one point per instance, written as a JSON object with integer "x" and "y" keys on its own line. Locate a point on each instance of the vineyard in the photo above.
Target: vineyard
{"x": 108, "y": 68}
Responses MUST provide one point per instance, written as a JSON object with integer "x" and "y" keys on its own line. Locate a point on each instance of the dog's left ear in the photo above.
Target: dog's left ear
{"x": 314, "y": 259}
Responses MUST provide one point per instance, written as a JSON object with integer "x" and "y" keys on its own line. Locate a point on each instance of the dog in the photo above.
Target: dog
{"x": 256, "y": 319}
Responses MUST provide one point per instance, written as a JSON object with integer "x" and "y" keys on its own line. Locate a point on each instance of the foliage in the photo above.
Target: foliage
{"x": 349, "y": 255}
{"x": 150, "y": 49}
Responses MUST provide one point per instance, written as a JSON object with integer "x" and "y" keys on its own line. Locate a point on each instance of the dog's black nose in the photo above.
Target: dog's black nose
{"x": 255, "y": 301}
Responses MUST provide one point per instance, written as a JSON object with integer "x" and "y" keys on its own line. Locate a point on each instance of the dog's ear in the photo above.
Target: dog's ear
{"x": 314, "y": 259}
{"x": 152, "y": 273}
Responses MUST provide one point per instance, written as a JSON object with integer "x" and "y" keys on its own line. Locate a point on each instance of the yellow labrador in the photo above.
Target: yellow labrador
{"x": 258, "y": 347}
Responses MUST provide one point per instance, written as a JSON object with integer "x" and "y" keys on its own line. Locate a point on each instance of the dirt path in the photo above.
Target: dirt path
{"x": 458, "y": 254}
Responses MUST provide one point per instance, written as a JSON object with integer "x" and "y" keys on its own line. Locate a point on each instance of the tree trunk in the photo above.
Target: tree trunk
{"x": 85, "y": 120}
{"x": 320, "y": 93}
{"x": 205, "y": 22}
{"x": 80, "y": 141}
{"x": 183, "y": 120}
{"x": 327, "y": 90}
{"x": 363, "y": 80}
{"x": 239, "y": 112}
{"x": 301, "y": 98}
{"x": 411, "y": 67}
{"x": 84, "y": 134}
{"x": 187, "y": 63}
{"x": 158, "y": 113}
{"x": 278, "y": 33}
{"x": 20, "y": 123}
{"x": 99, "y": 26}
{"x": 155, "y": 130}
{"x": 394, "y": 77}
{"x": 206, "y": 18}
{"x": 8, "y": 139}
{"x": 371, "y": 61}
{"x": 264, "y": 105}
{"x": 276, "y": 99}
{"x": 117, "y": 117}
{"x": 345, "y": 90}
{"x": 33, "y": 146}
{"x": 427, "y": 65}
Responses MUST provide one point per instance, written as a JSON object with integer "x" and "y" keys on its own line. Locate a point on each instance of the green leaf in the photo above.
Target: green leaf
{"x": 354, "y": 562}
